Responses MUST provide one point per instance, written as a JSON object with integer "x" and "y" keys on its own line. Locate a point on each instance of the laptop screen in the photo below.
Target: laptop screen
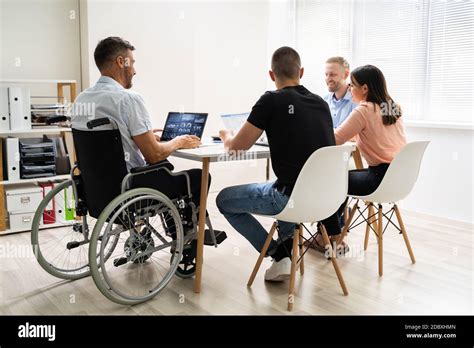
{"x": 234, "y": 122}
{"x": 183, "y": 123}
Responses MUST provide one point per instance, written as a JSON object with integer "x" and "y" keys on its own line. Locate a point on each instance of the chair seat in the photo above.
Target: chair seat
{"x": 370, "y": 198}
{"x": 276, "y": 217}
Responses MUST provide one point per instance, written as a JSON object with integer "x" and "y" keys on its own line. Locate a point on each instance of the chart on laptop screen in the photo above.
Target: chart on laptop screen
{"x": 184, "y": 123}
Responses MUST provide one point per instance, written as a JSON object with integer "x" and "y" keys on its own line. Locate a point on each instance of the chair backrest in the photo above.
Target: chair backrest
{"x": 321, "y": 186}
{"x": 100, "y": 158}
{"x": 401, "y": 175}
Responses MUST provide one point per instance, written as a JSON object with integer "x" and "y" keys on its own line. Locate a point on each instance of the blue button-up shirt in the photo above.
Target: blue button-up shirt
{"x": 107, "y": 98}
{"x": 340, "y": 109}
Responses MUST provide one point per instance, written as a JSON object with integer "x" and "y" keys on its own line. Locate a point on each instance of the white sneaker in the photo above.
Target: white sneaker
{"x": 279, "y": 270}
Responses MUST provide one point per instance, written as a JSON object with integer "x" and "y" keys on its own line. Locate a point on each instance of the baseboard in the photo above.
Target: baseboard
{"x": 439, "y": 219}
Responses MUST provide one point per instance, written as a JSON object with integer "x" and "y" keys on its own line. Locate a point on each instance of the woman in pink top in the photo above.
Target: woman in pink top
{"x": 378, "y": 130}
{"x": 375, "y": 124}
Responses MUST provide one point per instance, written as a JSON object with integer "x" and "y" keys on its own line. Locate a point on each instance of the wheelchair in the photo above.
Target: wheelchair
{"x": 131, "y": 240}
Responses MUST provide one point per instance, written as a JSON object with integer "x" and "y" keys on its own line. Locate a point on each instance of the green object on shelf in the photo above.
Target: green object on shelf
{"x": 69, "y": 204}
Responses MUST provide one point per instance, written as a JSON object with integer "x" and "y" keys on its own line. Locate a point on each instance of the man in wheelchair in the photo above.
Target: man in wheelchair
{"x": 112, "y": 97}
{"x": 143, "y": 216}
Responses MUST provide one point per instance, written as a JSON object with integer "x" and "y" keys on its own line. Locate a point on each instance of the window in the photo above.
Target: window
{"x": 425, "y": 49}
{"x": 323, "y": 30}
{"x": 450, "y": 62}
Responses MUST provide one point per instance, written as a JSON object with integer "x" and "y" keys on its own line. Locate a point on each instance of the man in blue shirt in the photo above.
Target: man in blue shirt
{"x": 112, "y": 97}
{"x": 340, "y": 98}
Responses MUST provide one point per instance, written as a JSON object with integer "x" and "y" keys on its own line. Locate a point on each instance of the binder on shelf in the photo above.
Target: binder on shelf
{"x": 20, "y": 108}
{"x": 12, "y": 152}
{"x": 4, "y": 110}
{"x": 70, "y": 201}
{"x": 49, "y": 213}
{"x": 65, "y": 205}
{"x": 3, "y": 224}
{"x": 60, "y": 206}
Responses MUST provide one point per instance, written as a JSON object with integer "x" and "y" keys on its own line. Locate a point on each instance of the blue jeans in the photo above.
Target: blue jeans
{"x": 237, "y": 203}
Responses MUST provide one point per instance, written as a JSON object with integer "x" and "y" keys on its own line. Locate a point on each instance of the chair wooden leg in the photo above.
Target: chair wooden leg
{"x": 347, "y": 224}
{"x": 294, "y": 259}
{"x": 301, "y": 250}
{"x": 367, "y": 227}
{"x": 380, "y": 238}
{"x": 404, "y": 233}
{"x": 346, "y": 212}
{"x": 374, "y": 221}
{"x": 333, "y": 259}
{"x": 262, "y": 254}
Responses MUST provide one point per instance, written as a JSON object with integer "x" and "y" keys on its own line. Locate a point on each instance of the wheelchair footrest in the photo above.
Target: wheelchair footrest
{"x": 72, "y": 245}
{"x": 220, "y": 237}
{"x": 120, "y": 261}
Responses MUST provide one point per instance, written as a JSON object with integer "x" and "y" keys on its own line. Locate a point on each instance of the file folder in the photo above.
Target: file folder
{"x": 65, "y": 205}
{"x": 70, "y": 203}
{"x": 49, "y": 212}
{"x": 13, "y": 158}
{"x": 4, "y": 110}
{"x": 20, "y": 108}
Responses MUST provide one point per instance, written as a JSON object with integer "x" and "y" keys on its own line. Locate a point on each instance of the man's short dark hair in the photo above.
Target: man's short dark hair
{"x": 108, "y": 49}
{"x": 286, "y": 63}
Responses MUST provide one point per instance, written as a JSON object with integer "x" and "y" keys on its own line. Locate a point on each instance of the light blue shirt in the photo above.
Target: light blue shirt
{"x": 107, "y": 98}
{"x": 340, "y": 109}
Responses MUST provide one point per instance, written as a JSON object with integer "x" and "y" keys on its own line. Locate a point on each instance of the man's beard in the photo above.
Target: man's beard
{"x": 335, "y": 87}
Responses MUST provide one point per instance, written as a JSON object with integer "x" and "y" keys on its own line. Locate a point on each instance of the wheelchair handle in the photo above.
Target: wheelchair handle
{"x": 98, "y": 122}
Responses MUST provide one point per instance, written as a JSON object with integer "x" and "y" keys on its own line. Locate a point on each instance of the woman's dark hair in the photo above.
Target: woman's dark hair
{"x": 377, "y": 92}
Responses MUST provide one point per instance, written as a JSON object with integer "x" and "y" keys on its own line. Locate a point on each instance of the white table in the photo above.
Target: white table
{"x": 207, "y": 154}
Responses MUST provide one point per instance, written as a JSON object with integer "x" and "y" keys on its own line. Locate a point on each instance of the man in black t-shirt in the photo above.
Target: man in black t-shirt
{"x": 297, "y": 123}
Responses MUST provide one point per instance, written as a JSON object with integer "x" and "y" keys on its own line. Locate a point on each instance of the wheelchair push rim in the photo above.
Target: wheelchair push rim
{"x": 71, "y": 231}
{"x": 141, "y": 242}
{"x": 53, "y": 254}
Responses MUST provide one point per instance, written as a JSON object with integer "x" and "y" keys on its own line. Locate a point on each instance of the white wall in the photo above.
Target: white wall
{"x": 191, "y": 56}
{"x": 445, "y": 185}
{"x": 40, "y": 40}
{"x": 281, "y": 29}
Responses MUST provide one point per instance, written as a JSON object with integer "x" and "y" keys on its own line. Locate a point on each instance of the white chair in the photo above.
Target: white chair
{"x": 397, "y": 183}
{"x": 319, "y": 191}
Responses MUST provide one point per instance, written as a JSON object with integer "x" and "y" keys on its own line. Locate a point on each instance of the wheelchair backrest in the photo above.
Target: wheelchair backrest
{"x": 100, "y": 158}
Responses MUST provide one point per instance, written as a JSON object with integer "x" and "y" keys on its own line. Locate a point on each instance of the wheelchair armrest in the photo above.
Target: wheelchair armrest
{"x": 162, "y": 164}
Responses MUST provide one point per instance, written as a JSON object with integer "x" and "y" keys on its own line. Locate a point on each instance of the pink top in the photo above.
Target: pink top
{"x": 378, "y": 143}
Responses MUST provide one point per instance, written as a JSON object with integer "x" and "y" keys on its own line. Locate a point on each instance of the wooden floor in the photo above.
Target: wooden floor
{"x": 441, "y": 282}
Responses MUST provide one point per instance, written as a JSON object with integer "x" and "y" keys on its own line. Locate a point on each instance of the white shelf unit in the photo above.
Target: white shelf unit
{"x": 35, "y": 131}
{"x": 57, "y": 178}
{"x": 60, "y": 84}
{"x": 45, "y": 179}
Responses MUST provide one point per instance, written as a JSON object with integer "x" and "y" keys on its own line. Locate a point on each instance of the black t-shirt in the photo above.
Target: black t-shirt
{"x": 297, "y": 123}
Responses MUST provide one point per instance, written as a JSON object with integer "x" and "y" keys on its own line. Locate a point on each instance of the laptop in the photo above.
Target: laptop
{"x": 234, "y": 122}
{"x": 183, "y": 123}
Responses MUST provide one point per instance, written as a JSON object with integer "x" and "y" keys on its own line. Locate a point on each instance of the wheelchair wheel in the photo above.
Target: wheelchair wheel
{"x": 146, "y": 255}
{"x": 61, "y": 243}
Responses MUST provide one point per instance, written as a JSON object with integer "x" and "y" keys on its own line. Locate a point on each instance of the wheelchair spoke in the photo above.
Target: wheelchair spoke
{"x": 149, "y": 243}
